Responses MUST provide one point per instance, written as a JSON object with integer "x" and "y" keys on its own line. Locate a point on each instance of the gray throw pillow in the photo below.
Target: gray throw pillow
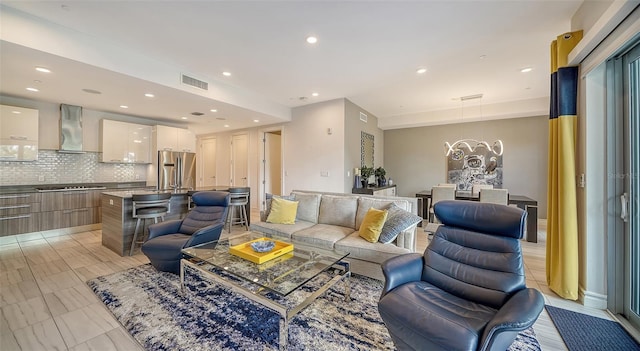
{"x": 397, "y": 221}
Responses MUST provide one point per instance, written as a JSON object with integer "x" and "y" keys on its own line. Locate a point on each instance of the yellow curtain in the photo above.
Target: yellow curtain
{"x": 562, "y": 215}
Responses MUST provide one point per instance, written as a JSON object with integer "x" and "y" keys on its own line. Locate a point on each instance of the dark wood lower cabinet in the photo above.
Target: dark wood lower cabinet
{"x": 69, "y": 218}
{"x": 32, "y": 212}
{"x": 19, "y": 213}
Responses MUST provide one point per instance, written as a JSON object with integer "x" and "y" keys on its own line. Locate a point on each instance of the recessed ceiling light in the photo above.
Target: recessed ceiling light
{"x": 124, "y": 106}
{"x": 197, "y": 113}
{"x": 91, "y": 91}
{"x": 226, "y": 126}
{"x": 226, "y": 74}
{"x": 16, "y": 112}
{"x": 213, "y": 110}
{"x": 526, "y": 69}
{"x": 43, "y": 70}
{"x": 482, "y": 57}
{"x": 421, "y": 70}
{"x": 183, "y": 117}
{"x": 37, "y": 81}
{"x": 221, "y": 118}
{"x": 32, "y": 89}
{"x": 312, "y": 40}
{"x": 149, "y": 95}
{"x": 314, "y": 94}
{"x": 256, "y": 120}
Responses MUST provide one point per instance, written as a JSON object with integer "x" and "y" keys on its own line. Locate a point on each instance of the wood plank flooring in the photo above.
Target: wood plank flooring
{"x": 46, "y": 304}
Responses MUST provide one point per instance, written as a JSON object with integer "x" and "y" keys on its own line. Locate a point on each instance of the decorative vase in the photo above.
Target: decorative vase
{"x": 357, "y": 183}
{"x": 365, "y": 183}
{"x": 382, "y": 181}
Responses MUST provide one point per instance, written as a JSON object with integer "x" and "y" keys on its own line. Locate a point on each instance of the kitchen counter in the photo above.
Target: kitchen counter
{"x": 126, "y": 194}
{"x": 118, "y": 223}
{"x": 25, "y": 189}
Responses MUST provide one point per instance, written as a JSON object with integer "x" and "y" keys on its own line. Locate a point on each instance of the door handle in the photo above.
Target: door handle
{"x": 624, "y": 202}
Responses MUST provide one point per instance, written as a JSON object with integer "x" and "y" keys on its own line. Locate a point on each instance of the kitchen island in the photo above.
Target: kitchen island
{"x": 118, "y": 223}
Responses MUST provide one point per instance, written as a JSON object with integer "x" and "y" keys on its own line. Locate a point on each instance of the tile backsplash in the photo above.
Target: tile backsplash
{"x": 53, "y": 167}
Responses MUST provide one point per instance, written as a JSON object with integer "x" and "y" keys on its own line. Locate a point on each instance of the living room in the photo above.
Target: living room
{"x": 324, "y": 138}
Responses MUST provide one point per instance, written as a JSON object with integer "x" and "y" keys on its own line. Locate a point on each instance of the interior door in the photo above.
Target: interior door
{"x": 239, "y": 160}
{"x": 273, "y": 162}
{"x": 208, "y": 162}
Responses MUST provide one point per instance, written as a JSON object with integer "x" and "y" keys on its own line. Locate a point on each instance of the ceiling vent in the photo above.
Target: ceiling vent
{"x": 195, "y": 82}
{"x": 363, "y": 117}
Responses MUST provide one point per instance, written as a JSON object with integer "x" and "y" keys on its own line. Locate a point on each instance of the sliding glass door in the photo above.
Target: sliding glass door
{"x": 623, "y": 101}
{"x": 630, "y": 200}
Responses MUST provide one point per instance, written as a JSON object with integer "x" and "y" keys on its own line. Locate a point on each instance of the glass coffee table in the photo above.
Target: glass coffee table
{"x": 281, "y": 276}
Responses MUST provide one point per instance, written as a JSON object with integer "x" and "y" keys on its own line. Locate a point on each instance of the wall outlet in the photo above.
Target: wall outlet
{"x": 137, "y": 177}
{"x": 111, "y": 202}
{"x": 41, "y": 178}
{"x": 324, "y": 173}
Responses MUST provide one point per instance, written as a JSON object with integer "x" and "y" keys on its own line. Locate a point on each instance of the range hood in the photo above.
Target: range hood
{"x": 70, "y": 129}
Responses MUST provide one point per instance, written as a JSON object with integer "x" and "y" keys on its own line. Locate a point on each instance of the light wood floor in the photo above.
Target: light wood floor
{"x": 46, "y": 304}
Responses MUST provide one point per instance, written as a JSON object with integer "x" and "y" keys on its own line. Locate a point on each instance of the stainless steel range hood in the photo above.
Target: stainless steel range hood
{"x": 70, "y": 129}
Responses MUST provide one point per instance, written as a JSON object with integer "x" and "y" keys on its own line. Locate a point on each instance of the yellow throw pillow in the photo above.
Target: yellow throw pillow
{"x": 372, "y": 224}
{"x": 283, "y": 211}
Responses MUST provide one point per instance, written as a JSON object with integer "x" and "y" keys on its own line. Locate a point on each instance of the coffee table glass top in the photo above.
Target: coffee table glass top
{"x": 281, "y": 275}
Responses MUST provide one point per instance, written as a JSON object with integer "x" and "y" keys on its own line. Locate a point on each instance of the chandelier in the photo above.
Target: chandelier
{"x": 471, "y": 144}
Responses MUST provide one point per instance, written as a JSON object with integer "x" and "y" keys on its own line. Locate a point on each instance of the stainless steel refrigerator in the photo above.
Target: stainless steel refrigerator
{"x": 176, "y": 170}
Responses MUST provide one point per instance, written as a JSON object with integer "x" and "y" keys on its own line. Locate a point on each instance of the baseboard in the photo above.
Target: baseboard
{"x": 592, "y": 300}
{"x": 71, "y": 230}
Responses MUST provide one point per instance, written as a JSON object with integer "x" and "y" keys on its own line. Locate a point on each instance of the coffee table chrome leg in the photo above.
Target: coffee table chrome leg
{"x": 347, "y": 287}
{"x": 182, "y": 276}
{"x": 284, "y": 333}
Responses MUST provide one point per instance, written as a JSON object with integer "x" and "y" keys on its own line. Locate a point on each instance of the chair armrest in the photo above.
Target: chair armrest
{"x": 205, "y": 234}
{"x": 164, "y": 228}
{"x": 401, "y": 270}
{"x": 519, "y": 313}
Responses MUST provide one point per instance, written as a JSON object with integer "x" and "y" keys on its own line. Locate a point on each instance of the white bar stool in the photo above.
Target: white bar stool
{"x": 148, "y": 206}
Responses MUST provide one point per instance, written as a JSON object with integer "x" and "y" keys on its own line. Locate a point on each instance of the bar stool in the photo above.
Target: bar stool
{"x": 148, "y": 206}
{"x": 238, "y": 199}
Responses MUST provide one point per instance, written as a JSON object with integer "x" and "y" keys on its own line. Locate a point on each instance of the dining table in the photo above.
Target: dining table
{"x": 521, "y": 201}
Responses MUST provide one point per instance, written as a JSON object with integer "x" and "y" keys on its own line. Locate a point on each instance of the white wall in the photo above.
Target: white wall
{"x": 310, "y": 150}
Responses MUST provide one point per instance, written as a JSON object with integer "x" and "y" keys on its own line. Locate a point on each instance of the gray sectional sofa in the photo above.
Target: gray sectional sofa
{"x": 330, "y": 221}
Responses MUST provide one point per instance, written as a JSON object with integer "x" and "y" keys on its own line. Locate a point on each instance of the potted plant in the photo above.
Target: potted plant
{"x": 366, "y": 172}
{"x": 380, "y": 173}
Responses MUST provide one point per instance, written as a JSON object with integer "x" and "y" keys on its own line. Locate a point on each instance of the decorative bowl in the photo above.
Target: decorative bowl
{"x": 263, "y": 246}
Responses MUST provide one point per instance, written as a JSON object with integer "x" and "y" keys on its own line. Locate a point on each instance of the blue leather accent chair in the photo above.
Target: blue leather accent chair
{"x": 202, "y": 224}
{"x": 467, "y": 291}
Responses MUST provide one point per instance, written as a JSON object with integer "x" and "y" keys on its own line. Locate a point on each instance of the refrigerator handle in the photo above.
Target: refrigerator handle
{"x": 178, "y": 172}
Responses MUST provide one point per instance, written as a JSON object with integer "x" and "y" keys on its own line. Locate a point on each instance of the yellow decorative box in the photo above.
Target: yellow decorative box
{"x": 245, "y": 251}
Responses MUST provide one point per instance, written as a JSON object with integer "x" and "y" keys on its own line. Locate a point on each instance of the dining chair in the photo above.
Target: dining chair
{"x": 440, "y": 193}
{"x": 475, "y": 189}
{"x": 455, "y": 186}
{"x": 495, "y": 196}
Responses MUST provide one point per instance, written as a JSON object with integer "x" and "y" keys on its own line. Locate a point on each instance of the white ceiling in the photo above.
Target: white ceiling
{"x": 367, "y": 52}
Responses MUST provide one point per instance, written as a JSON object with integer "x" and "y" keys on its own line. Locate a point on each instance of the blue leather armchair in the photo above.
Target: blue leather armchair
{"x": 467, "y": 291}
{"x": 202, "y": 224}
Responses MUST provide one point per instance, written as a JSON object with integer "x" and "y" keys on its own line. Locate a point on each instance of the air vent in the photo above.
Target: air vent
{"x": 363, "y": 117}
{"x": 195, "y": 82}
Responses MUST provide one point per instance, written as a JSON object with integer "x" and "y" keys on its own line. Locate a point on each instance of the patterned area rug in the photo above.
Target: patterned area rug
{"x": 150, "y": 306}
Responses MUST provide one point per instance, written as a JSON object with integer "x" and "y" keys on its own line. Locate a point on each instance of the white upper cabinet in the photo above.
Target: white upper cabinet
{"x": 174, "y": 139}
{"x": 123, "y": 142}
{"x": 186, "y": 140}
{"x": 18, "y": 133}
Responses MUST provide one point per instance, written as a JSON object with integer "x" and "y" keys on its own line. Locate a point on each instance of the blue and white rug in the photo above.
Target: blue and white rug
{"x": 150, "y": 306}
